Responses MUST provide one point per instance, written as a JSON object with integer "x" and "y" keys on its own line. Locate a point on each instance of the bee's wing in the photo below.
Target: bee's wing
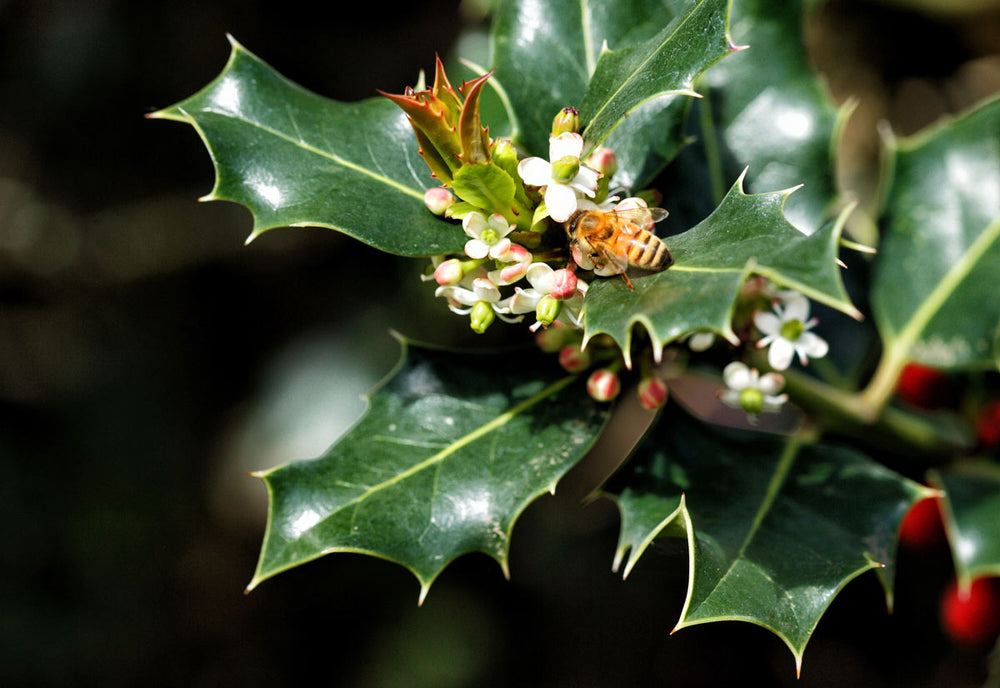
{"x": 644, "y": 217}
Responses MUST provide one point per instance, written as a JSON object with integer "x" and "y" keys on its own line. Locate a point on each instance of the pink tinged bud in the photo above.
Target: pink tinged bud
{"x": 603, "y": 384}
{"x": 438, "y": 200}
{"x": 512, "y": 273}
{"x": 652, "y": 393}
{"x": 553, "y": 339}
{"x": 563, "y": 284}
{"x": 449, "y": 272}
{"x": 567, "y": 121}
{"x": 547, "y": 310}
{"x": 481, "y": 316}
{"x": 604, "y": 161}
{"x": 573, "y": 359}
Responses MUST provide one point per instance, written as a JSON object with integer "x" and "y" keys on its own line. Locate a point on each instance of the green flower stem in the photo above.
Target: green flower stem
{"x": 711, "y": 143}
{"x": 893, "y": 428}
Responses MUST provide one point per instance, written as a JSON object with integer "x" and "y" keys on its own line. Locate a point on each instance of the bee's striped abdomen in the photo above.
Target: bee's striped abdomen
{"x": 647, "y": 251}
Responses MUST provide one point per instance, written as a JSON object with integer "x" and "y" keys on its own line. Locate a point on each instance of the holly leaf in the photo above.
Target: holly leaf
{"x": 453, "y": 447}
{"x": 545, "y": 51}
{"x": 934, "y": 294}
{"x": 775, "y": 527}
{"x": 746, "y": 234}
{"x": 972, "y": 517}
{"x": 664, "y": 66}
{"x": 769, "y": 111}
{"x": 297, "y": 159}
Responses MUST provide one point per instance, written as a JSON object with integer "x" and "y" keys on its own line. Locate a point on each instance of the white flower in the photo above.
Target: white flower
{"x": 749, "y": 390}
{"x": 700, "y": 341}
{"x": 540, "y": 275}
{"x": 786, "y": 331}
{"x": 488, "y": 235}
{"x": 482, "y": 289}
{"x": 563, "y": 177}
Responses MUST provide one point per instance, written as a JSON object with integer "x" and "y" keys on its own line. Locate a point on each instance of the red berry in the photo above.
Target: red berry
{"x": 974, "y": 618}
{"x": 925, "y": 387}
{"x": 988, "y": 424}
{"x": 921, "y": 528}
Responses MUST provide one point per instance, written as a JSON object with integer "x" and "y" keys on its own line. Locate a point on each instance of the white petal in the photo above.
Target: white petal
{"x": 567, "y": 143}
{"x": 736, "y": 375}
{"x": 767, "y": 322}
{"x": 463, "y": 296}
{"x": 771, "y": 383}
{"x": 540, "y": 276}
{"x": 485, "y": 290}
{"x": 475, "y": 248}
{"x": 561, "y": 201}
{"x": 499, "y": 224}
{"x": 535, "y": 171}
{"x": 779, "y": 355}
{"x": 701, "y": 341}
{"x": 500, "y": 248}
{"x": 731, "y": 397}
{"x": 811, "y": 345}
{"x": 474, "y": 224}
{"x": 773, "y": 403}
{"x": 585, "y": 181}
{"x": 523, "y": 301}
{"x": 796, "y": 307}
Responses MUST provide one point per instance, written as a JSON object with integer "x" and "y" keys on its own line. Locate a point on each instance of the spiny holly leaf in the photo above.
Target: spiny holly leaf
{"x": 665, "y": 65}
{"x": 934, "y": 293}
{"x": 545, "y": 51}
{"x": 297, "y": 159}
{"x": 775, "y": 528}
{"x": 747, "y": 234}
{"x": 453, "y": 447}
{"x": 972, "y": 507}
{"x": 772, "y": 113}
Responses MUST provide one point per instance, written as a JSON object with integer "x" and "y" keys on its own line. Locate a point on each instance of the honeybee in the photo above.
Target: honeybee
{"x": 612, "y": 240}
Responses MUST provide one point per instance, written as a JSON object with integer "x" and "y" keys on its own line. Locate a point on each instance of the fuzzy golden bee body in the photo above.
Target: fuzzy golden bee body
{"x": 612, "y": 240}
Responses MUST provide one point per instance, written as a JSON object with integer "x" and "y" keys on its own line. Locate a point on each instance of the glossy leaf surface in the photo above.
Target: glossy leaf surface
{"x": 972, "y": 501}
{"x": 772, "y": 113}
{"x": 545, "y": 52}
{"x": 775, "y": 529}
{"x": 934, "y": 294}
{"x": 747, "y": 234}
{"x": 297, "y": 159}
{"x": 451, "y": 450}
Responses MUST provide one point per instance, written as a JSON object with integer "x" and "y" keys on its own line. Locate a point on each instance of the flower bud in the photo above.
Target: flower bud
{"x": 752, "y": 400}
{"x": 573, "y": 359}
{"x": 438, "y": 200}
{"x": 449, "y": 272}
{"x": 547, "y": 309}
{"x": 604, "y": 161}
{"x": 553, "y": 339}
{"x": 481, "y": 316}
{"x": 563, "y": 284}
{"x": 565, "y": 169}
{"x": 603, "y": 384}
{"x": 504, "y": 153}
{"x": 652, "y": 393}
{"x": 568, "y": 120}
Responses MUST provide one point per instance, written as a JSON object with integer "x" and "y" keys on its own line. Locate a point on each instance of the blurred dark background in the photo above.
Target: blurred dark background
{"x": 149, "y": 361}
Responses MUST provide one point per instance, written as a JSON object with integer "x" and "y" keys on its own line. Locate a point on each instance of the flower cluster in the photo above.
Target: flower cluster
{"x": 519, "y": 258}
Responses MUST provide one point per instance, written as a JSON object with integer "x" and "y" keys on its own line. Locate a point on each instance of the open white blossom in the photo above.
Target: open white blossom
{"x": 786, "y": 331}
{"x": 562, "y": 175}
{"x": 749, "y": 390}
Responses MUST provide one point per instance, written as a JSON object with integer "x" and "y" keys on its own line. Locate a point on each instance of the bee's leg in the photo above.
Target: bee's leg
{"x": 628, "y": 282}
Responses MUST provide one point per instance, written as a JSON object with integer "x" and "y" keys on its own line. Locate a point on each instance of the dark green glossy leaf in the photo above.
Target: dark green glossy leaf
{"x": 772, "y": 113}
{"x": 666, "y": 65}
{"x": 934, "y": 293}
{"x": 297, "y": 159}
{"x": 451, "y": 450}
{"x": 775, "y": 528}
{"x": 545, "y": 52}
{"x": 972, "y": 517}
{"x": 747, "y": 234}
